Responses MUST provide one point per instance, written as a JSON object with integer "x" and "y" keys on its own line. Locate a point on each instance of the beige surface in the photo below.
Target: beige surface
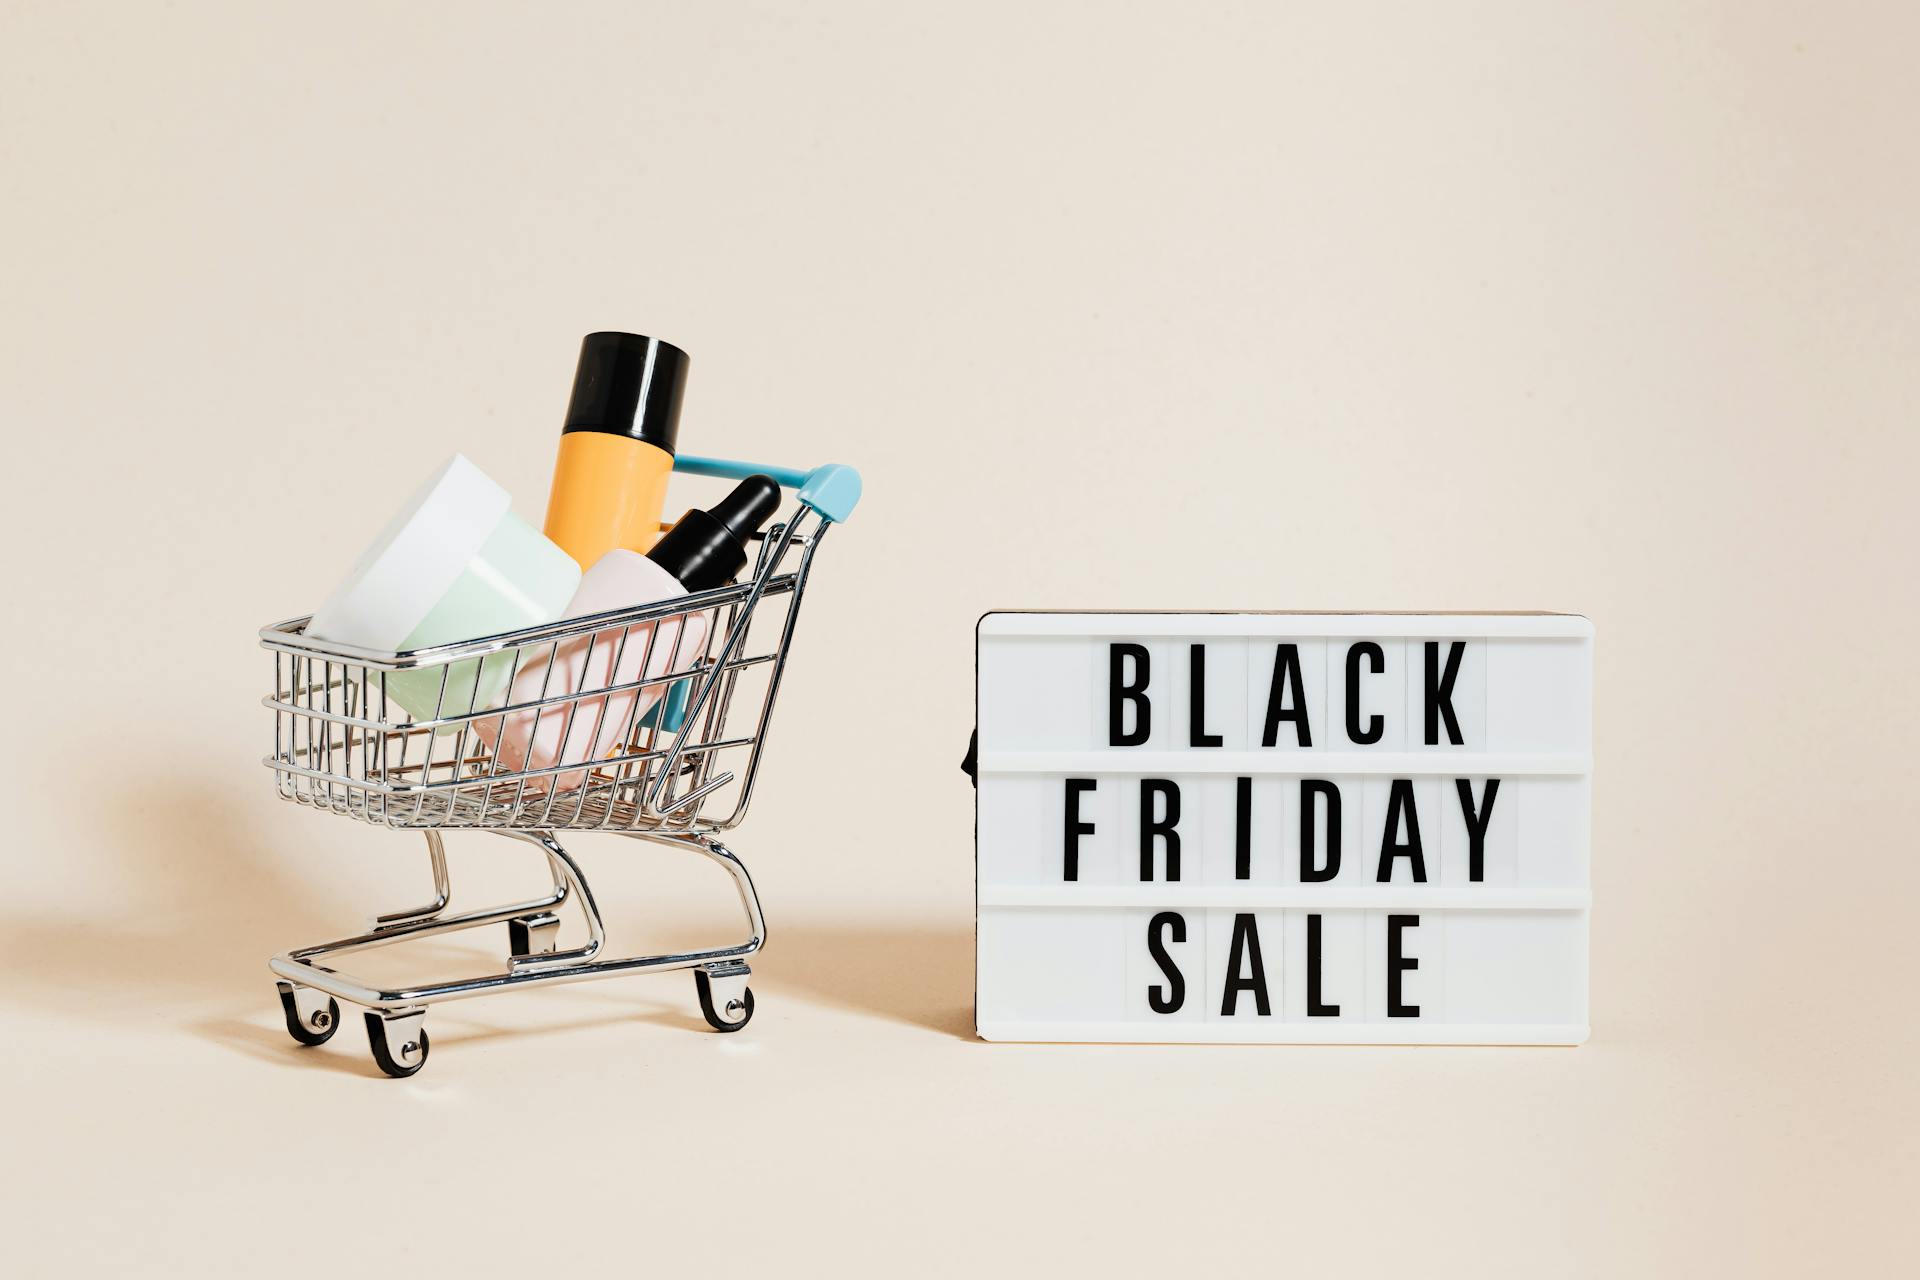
{"x": 1610, "y": 310}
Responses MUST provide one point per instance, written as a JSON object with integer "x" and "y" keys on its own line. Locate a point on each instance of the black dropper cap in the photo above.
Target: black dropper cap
{"x": 706, "y": 548}
{"x": 628, "y": 385}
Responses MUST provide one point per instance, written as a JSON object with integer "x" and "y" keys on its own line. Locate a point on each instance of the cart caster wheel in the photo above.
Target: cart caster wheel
{"x": 734, "y": 1000}
{"x": 399, "y": 1045}
{"x": 308, "y": 1021}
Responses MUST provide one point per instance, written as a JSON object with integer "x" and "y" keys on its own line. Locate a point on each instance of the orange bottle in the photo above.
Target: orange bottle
{"x": 616, "y": 448}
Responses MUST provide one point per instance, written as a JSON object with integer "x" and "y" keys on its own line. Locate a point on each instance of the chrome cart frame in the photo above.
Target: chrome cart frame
{"x": 689, "y": 726}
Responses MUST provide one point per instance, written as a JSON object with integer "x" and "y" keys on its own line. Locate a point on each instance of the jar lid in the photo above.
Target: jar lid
{"x": 407, "y": 569}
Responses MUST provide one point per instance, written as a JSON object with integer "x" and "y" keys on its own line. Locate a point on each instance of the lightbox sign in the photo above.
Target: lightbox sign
{"x": 1283, "y": 827}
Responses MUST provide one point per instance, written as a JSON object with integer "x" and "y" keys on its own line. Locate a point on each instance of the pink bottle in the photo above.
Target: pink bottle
{"x": 705, "y": 549}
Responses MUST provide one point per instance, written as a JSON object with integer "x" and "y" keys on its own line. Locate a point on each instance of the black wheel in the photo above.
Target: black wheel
{"x": 741, "y": 1011}
{"x": 410, "y": 1056}
{"x": 317, "y": 1030}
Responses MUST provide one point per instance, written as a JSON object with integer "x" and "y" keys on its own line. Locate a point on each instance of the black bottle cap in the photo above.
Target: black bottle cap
{"x": 704, "y": 549}
{"x": 628, "y": 385}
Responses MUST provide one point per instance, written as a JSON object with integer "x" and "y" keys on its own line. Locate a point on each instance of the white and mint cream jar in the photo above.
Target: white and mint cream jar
{"x": 455, "y": 564}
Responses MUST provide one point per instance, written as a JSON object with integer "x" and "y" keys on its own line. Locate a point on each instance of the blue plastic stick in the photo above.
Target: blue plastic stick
{"x": 833, "y": 489}
{"x": 670, "y": 711}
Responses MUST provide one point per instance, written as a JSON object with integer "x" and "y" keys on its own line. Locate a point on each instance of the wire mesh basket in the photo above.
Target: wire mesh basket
{"x": 686, "y": 728}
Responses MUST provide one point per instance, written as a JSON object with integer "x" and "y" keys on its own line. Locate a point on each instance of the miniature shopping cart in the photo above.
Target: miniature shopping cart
{"x": 681, "y": 772}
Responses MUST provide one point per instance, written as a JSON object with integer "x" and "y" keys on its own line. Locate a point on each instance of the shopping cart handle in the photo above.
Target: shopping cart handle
{"x": 833, "y": 489}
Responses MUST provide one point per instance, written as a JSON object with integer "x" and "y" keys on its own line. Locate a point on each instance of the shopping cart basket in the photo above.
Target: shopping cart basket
{"x": 690, "y": 729}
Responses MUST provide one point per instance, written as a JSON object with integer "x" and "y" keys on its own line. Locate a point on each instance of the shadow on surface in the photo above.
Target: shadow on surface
{"x": 195, "y": 905}
{"x": 919, "y": 976}
{"x": 346, "y": 1052}
{"x": 198, "y": 902}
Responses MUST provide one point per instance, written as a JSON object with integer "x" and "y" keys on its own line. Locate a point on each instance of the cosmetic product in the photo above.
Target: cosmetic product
{"x": 705, "y": 549}
{"x": 454, "y": 564}
{"x": 616, "y": 447}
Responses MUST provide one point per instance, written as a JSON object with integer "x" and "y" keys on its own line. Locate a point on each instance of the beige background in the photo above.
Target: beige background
{"x": 1603, "y": 308}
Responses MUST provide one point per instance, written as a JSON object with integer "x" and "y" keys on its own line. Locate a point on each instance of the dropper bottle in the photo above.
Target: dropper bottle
{"x": 703, "y": 550}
